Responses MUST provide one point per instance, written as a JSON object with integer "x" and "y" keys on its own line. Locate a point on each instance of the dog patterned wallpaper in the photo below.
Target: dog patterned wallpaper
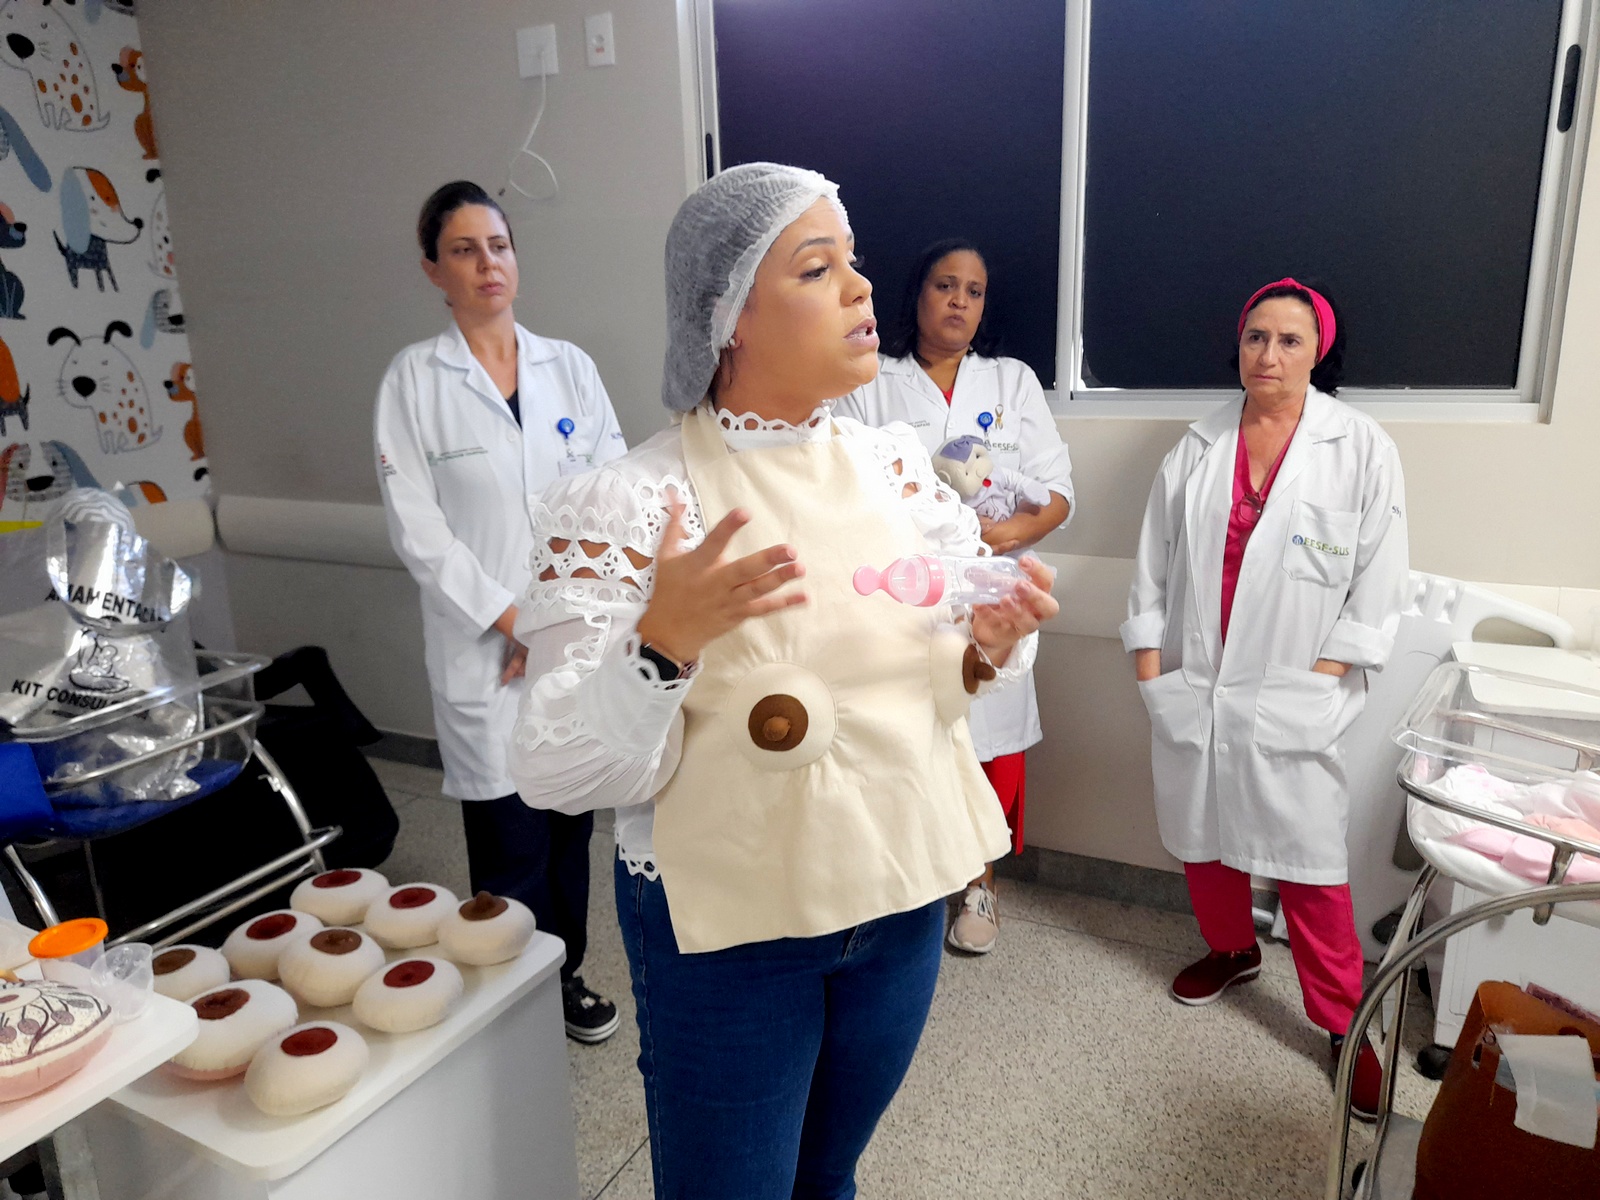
{"x": 95, "y": 383}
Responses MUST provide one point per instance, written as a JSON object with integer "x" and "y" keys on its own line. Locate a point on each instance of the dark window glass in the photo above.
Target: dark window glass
{"x": 1391, "y": 148}
{"x": 937, "y": 118}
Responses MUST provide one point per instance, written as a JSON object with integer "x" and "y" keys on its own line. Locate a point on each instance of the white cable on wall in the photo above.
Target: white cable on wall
{"x": 526, "y": 151}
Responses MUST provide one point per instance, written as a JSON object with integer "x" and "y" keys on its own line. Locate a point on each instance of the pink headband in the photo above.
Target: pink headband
{"x": 1327, "y": 327}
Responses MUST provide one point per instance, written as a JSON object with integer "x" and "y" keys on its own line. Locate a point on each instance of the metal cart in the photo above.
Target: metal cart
{"x": 1524, "y": 731}
{"x": 216, "y": 749}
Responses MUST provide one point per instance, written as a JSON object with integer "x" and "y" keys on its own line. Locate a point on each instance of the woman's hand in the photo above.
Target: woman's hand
{"x": 701, "y": 594}
{"x": 998, "y": 627}
{"x": 1146, "y": 665}
{"x": 516, "y": 663}
{"x": 516, "y": 660}
{"x": 1327, "y": 666}
{"x": 1025, "y": 527}
{"x": 1000, "y": 536}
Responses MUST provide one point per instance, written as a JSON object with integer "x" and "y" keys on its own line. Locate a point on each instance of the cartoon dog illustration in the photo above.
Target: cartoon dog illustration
{"x": 13, "y": 398}
{"x": 161, "y": 261}
{"x": 102, "y": 379}
{"x": 180, "y": 390}
{"x": 13, "y": 236}
{"x": 40, "y": 472}
{"x": 142, "y": 491}
{"x": 92, "y": 217}
{"x": 129, "y": 70}
{"x": 36, "y": 38}
{"x": 12, "y": 138}
{"x": 163, "y": 313}
{"x": 91, "y": 8}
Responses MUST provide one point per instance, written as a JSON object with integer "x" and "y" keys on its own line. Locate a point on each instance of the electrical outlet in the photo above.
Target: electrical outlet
{"x": 536, "y": 51}
{"x": 598, "y": 41}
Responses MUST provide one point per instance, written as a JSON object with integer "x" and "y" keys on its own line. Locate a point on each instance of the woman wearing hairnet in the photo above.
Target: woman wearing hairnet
{"x": 795, "y": 785}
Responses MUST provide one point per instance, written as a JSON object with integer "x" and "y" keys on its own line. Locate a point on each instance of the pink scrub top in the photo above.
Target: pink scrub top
{"x": 1242, "y": 518}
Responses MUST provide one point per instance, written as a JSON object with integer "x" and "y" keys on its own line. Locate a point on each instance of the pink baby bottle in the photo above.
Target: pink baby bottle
{"x": 924, "y": 580}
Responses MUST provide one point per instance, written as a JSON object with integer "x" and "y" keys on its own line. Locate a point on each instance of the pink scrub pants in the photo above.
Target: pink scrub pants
{"x": 1322, "y": 935}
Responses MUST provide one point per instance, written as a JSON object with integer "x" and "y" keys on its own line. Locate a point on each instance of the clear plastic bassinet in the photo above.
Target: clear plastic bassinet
{"x": 1502, "y": 779}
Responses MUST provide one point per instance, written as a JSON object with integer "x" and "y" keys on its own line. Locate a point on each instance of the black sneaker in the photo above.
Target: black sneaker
{"x": 590, "y": 1018}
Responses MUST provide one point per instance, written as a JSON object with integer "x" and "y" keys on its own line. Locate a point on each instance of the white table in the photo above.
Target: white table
{"x": 478, "y": 1106}
{"x": 134, "y": 1049}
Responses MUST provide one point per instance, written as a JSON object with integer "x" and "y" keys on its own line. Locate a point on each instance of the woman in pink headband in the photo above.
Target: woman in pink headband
{"x": 1271, "y": 570}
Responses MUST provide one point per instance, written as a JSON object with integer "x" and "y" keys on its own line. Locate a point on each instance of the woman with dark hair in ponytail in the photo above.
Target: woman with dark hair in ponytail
{"x": 471, "y": 426}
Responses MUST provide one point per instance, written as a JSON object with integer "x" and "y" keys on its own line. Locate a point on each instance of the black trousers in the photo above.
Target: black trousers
{"x": 538, "y": 857}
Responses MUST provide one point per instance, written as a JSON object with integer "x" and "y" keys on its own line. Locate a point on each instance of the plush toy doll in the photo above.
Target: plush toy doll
{"x": 993, "y": 492}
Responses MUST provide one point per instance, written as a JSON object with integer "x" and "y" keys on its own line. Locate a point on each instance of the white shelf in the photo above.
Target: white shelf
{"x": 221, "y": 1123}
{"x": 134, "y": 1049}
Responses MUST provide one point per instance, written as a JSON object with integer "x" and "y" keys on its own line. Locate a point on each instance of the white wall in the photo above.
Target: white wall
{"x": 299, "y": 138}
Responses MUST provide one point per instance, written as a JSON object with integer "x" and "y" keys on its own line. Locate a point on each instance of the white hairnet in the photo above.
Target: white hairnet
{"x": 716, "y": 242}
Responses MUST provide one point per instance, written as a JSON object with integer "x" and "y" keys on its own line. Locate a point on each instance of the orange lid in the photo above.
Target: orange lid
{"x": 68, "y": 938}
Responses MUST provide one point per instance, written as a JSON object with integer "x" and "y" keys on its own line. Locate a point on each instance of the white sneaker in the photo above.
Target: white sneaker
{"x": 977, "y": 925}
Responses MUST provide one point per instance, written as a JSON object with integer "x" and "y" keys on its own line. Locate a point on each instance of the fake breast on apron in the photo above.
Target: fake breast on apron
{"x": 827, "y": 776}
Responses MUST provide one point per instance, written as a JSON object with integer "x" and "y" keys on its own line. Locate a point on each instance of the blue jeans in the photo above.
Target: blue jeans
{"x": 767, "y": 1066}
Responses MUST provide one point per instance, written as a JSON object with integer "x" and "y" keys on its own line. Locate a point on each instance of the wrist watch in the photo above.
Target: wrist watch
{"x": 669, "y": 669}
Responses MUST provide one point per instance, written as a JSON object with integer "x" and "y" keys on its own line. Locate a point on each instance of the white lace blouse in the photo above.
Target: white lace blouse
{"x": 598, "y": 728}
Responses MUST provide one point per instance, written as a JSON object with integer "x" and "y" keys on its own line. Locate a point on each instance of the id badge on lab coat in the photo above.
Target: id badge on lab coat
{"x": 573, "y": 464}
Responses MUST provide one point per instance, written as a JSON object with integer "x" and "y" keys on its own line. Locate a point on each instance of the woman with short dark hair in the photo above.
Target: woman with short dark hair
{"x": 943, "y": 374}
{"x": 471, "y": 426}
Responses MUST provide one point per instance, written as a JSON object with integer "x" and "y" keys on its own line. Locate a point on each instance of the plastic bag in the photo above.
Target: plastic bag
{"x": 111, "y": 633}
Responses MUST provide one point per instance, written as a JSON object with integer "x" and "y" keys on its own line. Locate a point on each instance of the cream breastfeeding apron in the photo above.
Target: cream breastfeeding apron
{"x": 827, "y": 776}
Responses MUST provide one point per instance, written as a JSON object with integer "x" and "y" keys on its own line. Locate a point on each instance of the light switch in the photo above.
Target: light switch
{"x": 598, "y": 42}
{"x": 536, "y": 51}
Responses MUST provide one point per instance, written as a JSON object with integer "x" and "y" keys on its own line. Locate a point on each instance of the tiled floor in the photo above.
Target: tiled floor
{"x": 1054, "y": 1068}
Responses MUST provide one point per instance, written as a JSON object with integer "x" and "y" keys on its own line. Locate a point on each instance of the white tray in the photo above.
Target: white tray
{"x": 224, "y": 1126}
{"x": 135, "y": 1048}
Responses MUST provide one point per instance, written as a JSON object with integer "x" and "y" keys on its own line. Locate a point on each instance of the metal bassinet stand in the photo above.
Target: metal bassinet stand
{"x": 1461, "y": 718}
{"x": 226, "y": 745}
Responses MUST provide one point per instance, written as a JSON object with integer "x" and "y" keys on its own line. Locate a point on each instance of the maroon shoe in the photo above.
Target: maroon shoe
{"x": 1206, "y": 980}
{"x": 1367, "y": 1088}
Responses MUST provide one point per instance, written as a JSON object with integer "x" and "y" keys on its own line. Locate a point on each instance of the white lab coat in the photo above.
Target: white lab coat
{"x": 1245, "y": 744}
{"x": 459, "y": 481}
{"x": 1023, "y": 436}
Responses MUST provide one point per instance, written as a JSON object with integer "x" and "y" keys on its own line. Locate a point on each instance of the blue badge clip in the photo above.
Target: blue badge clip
{"x": 566, "y": 428}
{"x": 985, "y": 419}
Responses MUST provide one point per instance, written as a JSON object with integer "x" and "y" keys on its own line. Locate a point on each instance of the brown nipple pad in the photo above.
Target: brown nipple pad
{"x": 169, "y": 961}
{"x": 483, "y": 907}
{"x": 974, "y": 670}
{"x": 336, "y": 941}
{"x": 213, "y": 1006}
{"x": 778, "y": 722}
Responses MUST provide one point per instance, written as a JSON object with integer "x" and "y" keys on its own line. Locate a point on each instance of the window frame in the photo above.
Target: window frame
{"x": 1549, "y": 273}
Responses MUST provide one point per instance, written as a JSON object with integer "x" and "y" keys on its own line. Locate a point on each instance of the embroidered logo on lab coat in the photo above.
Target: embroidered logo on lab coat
{"x": 1322, "y": 547}
{"x": 444, "y": 456}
